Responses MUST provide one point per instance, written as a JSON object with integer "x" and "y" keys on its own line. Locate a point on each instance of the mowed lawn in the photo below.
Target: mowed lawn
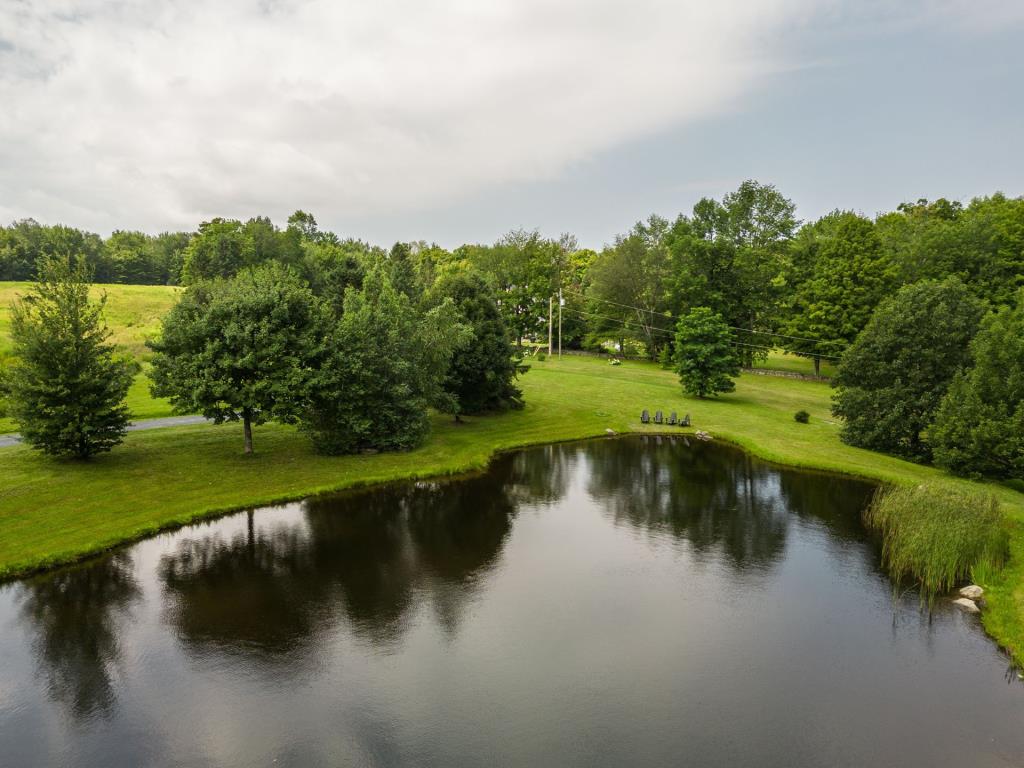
{"x": 52, "y": 511}
{"x": 133, "y": 314}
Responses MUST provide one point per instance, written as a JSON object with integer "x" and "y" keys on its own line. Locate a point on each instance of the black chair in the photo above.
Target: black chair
{"x": 685, "y": 422}
{"x": 645, "y": 417}
{"x": 658, "y": 417}
{"x": 672, "y": 420}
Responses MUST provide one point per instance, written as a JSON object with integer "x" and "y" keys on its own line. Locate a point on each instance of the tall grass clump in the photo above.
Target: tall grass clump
{"x": 937, "y": 534}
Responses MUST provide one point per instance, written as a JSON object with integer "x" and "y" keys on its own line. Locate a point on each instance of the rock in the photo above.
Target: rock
{"x": 967, "y": 605}
{"x": 973, "y": 592}
{"x": 609, "y": 431}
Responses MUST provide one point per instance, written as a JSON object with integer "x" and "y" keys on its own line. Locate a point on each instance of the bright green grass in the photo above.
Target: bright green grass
{"x": 783, "y": 361}
{"x": 133, "y": 313}
{"x": 56, "y": 511}
{"x": 141, "y": 404}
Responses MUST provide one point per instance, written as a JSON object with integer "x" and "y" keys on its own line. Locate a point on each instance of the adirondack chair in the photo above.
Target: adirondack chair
{"x": 685, "y": 421}
{"x": 658, "y": 418}
{"x": 672, "y": 420}
{"x": 645, "y": 417}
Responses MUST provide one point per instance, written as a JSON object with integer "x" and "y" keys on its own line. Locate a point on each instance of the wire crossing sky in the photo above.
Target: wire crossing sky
{"x": 457, "y": 121}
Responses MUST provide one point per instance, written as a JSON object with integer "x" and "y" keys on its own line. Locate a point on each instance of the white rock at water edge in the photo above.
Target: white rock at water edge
{"x": 967, "y": 605}
{"x": 609, "y": 431}
{"x": 973, "y": 592}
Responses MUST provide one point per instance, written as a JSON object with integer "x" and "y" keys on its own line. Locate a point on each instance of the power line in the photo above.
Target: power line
{"x": 626, "y": 324}
{"x": 653, "y": 314}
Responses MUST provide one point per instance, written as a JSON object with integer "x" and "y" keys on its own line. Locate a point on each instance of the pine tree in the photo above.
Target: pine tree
{"x": 67, "y": 386}
{"x": 482, "y": 374}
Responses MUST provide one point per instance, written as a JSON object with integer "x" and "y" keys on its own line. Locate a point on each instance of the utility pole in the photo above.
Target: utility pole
{"x": 551, "y": 301}
{"x": 560, "y": 303}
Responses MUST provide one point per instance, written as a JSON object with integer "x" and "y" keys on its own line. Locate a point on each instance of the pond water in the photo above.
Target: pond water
{"x": 638, "y": 601}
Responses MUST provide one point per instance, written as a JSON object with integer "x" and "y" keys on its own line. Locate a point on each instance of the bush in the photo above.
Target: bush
{"x": 936, "y": 533}
{"x": 541, "y": 355}
{"x": 802, "y": 416}
{"x": 615, "y": 361}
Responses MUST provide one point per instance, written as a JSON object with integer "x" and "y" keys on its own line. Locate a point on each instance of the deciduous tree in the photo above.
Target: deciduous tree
{"x": 891, "y": 380}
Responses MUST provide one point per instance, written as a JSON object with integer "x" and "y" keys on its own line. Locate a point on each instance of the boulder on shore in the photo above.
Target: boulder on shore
{"x": 967, "y": 605}
{"x": 973, "y": 592}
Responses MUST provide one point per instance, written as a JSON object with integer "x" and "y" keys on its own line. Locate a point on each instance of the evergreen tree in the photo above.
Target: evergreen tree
{"x": 66, "y": 387}
{"x": 704, "y": 355}
{"x": 482, "y": 374}
{"x": 891, "y": 380}
{"x": 979, "y": 428}
{"x": 241, "y": 349}
{"x": 383, "y": 367}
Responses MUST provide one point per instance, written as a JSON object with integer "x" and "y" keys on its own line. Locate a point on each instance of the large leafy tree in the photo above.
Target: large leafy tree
{"x": 383, "y": 366}
{"x": 891, "y": 380}
{"x": 847, "y": 275}
{"x": 66, "y": 387}
{"x": 240, "y": 349}
{"x": 630, "y": 287}
{"x": 979, "y": 428}
{"x": 483, "y": 370}
{"x": 731, "y": 256}
{"x": 218, "y": 249}
{"x": 520, "y": 268}
{"x": 704, "y": 355}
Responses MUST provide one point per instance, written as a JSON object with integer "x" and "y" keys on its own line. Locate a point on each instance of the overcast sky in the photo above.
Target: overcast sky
{"x": 456, "y": 121}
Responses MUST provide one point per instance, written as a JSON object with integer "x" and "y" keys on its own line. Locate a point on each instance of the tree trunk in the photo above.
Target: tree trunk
{"x": 247, "y": 427}
{"x": 817, "y": 366}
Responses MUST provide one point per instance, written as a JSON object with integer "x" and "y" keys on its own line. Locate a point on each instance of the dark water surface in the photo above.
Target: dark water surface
{"x": 633, "y": 602}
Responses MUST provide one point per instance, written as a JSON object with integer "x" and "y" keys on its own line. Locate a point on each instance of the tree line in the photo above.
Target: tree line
{"x": 734, "y": 278}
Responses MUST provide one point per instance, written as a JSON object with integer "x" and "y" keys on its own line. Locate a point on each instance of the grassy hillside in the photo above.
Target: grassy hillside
{"x": 55, "y": 511}
{"x": 133, "y": 314}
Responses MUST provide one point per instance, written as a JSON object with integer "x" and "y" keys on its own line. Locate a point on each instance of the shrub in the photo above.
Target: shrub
{"x": 615, "y": 361}
{"x": 802, "y": 416}
{"x": 541, "y": 355}
{"x": 937, "y": 533}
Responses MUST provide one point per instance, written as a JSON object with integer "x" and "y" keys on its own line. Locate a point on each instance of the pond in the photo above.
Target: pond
{"x": 636, "y": 601}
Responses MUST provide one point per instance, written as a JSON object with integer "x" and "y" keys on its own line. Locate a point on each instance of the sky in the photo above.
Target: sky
{"x": 457, "y": 121}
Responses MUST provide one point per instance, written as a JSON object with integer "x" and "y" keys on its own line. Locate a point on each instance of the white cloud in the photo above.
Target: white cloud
{"x": 158, "y": 113}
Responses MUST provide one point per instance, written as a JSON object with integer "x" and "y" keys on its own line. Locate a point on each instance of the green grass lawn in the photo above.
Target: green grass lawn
{"x": 53, "y": 511}
{"x": 783, "y": 361}
{"x": 133, "y": 314}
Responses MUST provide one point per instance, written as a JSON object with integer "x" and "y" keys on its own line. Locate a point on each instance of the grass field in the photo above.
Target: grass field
{"x": 133, "y": 313}
{"x": 56, "y": 511}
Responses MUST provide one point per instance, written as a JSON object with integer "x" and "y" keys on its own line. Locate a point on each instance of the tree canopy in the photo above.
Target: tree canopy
{"x": 239, "y": 348}
{"x": 979, "y": 427}
{"x": 891, "y": 380}
{"x": 66, "y": 386}
{"x": 704, "y": 355}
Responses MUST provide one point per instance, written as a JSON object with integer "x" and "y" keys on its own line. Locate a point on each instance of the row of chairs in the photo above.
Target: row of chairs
{"x": 672, "y": 421}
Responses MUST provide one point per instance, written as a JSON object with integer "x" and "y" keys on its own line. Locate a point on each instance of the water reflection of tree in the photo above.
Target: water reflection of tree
{"x": 713, "y": 497}
{"x": 77, "y": 615}
{"x": 367, "y": 556}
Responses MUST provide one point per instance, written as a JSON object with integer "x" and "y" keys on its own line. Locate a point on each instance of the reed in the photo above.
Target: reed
{"x": 938, "y": 534}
